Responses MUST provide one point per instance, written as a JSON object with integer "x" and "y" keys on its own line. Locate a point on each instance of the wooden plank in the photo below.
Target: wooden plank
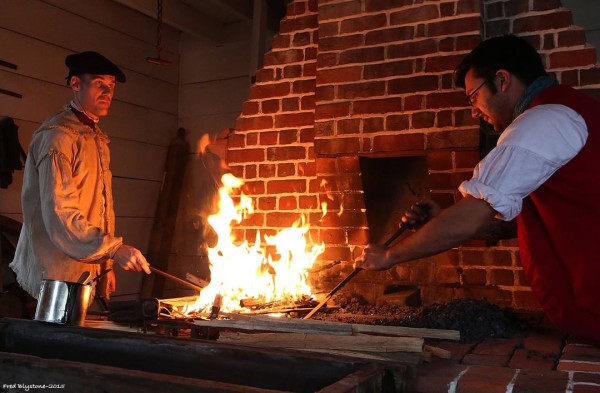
{"x": 112, "y": 14}
{"x": 298, "y": 325}
{"x": 406, "y": 331}
{"x": 49, "y": 23}
{"x": 405, "y": 358}
{"x": 138, "y": 160}
{"x": 276, "y": 325}
{"x": 135, "y": 231}
{"x": 367, "y": 379}
{"x": 439, "y": 352}
{"x": 276, "y": 369}
{"x": 127, "y": 121}
{"x": 34, "y": 58}
{"x": 205, "y": 98}
{"x": 167, "y": 206}
{"x": 325, "y": 341}
{"x": 135, "y": 198}
{"x": 139, "y": 124}
{"x": 40, "y": 99}
{"x": 45, "y": 63}
{"x": 201, "y": 62}
{"x": 95, "y": 378}
{"x": 183, "y": 17}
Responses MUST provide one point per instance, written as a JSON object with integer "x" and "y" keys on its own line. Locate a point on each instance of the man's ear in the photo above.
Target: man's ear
{"x": 504, "y": 78}
{"x": 75, "y": 83}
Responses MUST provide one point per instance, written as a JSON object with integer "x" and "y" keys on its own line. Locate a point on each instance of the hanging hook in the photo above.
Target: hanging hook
{"x": 158, "y": 60}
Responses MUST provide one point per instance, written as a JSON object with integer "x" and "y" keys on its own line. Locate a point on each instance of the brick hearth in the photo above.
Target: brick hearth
{"x": 373, "y": 78}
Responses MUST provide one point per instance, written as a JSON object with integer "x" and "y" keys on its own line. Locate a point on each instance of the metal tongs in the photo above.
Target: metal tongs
{"x": 400, "y": 231}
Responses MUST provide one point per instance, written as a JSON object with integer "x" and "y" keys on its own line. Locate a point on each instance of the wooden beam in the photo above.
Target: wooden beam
{"x": 258, "y": 324}
{"x": 325, "y": 341}
{"x": 73, "y": 376}
{"x": 439, "y": 352}
{"x": 273, "y": 324}
{"x": 406, "y": 358}
{"x": 407, "y": 331}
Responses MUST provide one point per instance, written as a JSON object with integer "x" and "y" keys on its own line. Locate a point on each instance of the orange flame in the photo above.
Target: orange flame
{"x": 247, "y": 270}
{"x": 202, "y": 144}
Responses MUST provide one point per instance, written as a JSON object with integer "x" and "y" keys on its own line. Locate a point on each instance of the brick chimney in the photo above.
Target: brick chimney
{"x": 352, "y": 80}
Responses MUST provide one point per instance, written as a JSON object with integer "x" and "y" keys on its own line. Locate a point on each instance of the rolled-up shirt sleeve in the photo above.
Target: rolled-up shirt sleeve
{"x": 66, "y": 225}
{"x": 530, "y": 150}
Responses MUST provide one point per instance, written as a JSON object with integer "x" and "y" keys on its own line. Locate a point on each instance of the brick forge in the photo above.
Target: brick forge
{"x": 350, "y": 82}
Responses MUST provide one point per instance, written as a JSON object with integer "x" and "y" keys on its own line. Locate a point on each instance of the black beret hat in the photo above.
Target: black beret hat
{"x": 92, "y": 63}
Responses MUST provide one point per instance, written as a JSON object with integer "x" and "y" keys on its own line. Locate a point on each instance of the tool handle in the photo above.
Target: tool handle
{"x": 403, "y": 227}
{"x": 398, "y": 232}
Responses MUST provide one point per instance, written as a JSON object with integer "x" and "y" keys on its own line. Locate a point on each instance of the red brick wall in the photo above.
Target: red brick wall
{"x": 350, "y": 78}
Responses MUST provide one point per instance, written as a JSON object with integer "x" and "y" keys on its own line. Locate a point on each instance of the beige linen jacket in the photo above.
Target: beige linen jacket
{"x": 68, "y": 215}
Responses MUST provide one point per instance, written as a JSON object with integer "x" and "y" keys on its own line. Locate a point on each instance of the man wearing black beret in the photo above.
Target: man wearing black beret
{"x": 68, "y": 216}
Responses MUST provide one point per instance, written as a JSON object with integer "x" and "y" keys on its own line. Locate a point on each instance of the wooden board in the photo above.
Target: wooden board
{"x": 43, "y": 62}
{"x": 273, "y": 324}
{"x": 63, "y": 28}
{"x": 137, "y": 160}
{"x": 125, "y": 120}
{"x": 135, "y": 197}
{"x": 325, "y": 341}
{"x": 72, "y": 376}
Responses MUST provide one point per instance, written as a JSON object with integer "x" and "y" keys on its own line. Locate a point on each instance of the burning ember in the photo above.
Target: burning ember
{"x": 247, "y": 270}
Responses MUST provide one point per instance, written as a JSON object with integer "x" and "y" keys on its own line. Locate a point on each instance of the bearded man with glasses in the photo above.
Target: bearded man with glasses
{"x": 543, "y": 172}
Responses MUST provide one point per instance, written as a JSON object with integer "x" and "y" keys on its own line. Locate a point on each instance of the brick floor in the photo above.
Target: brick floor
{"x": 486, "y": 360}
{"x": 580, "y": 357}
{"x": 541, "y": 361}
{"x": 485, "y": 379}
{"x": 530, "y": 359}
{"x": 581, "y": 388}
{"x": 541, "y": 381}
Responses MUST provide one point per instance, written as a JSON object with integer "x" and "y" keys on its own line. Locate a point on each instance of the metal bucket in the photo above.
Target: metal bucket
{"x": 63, "y": 302}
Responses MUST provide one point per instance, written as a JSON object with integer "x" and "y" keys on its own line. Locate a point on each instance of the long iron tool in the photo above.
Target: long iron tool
{"x": 176, "y": 279}
{"x": 400, "y": 231}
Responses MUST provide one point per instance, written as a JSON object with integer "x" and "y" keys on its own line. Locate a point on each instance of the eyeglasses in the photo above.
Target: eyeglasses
{"x": 471, "y": 96}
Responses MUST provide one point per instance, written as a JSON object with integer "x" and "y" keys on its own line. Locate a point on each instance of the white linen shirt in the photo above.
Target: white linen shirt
{"x": 534, "y": 146}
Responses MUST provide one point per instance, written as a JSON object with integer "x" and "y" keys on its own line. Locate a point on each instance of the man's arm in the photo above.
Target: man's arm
{"x": 449, "y": 229}
{"x": 497, "y": 230}
{"x": 65, "y": 223}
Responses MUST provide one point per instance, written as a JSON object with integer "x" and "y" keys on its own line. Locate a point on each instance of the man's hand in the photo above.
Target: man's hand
{"x": 130, "y": 258}
{"x": 421, "y": 212}
{"x": 375, "y": 257}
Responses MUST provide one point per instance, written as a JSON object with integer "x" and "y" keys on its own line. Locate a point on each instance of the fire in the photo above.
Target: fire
{"x": 242, "y": 271}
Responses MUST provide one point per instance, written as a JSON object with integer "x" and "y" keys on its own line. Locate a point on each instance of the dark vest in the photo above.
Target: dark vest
{"x": 559, "y": 227}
